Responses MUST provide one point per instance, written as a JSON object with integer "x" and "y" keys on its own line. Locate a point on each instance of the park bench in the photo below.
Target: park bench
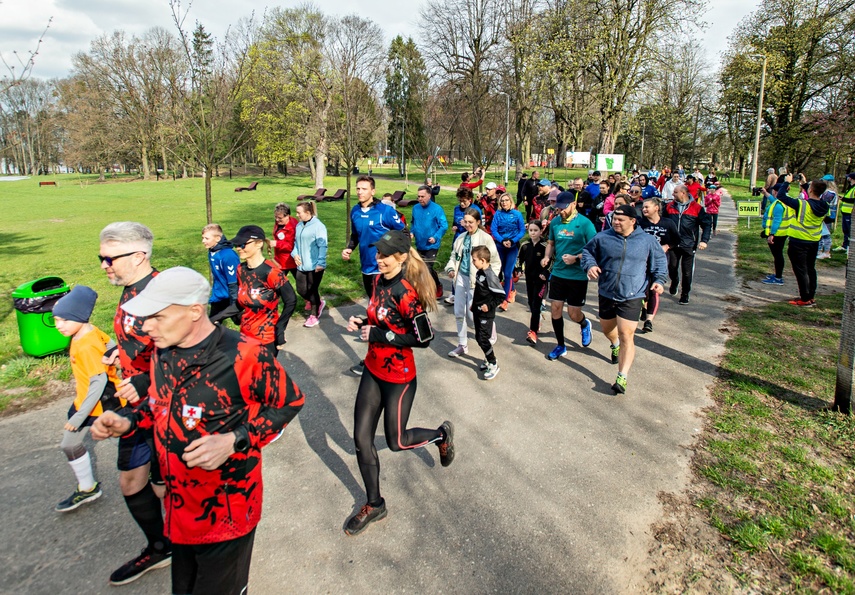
{"x": 318, "y": 195}
{"x": 397, "y": 195}
{"x": 47, "y": 183}
{"x": 252, "y": 186}
{"x": 339, "y": 195}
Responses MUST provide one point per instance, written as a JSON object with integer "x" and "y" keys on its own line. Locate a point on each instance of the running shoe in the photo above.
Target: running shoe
{"x": 79, "y": 498}
{"x": 311, "y": 321}
{"x": 483, "y": 365}
{"x": 512, "y": 296}
{"x": 586, "y": 333}
{"x": 450, "y": 300}
{"x": 648, "y": 327}
{"x": 773, "y": 280}
{"x": 684, "y": 299}
{"x": 366, "y": 515}
{"x": 841, "y": 249}
{"x": 619, "y": 387}
{"x": 149, "y": 559}
{"x": 531, "y": 337}
{"x": 446, "y": 445}
{"x": 492, "y": 371}
{"x": 559, "y": 351}
{"x": 358, "y": 368}
{"x": 823, "y": 255}
{"x": 615, "y": 353}
{"x": 674, "y": 286}
{"x": 458, "y": 351}
{"x": 504, "y": 306}
{"x": 803, "y": 303}
{"x": 321, "y": 307}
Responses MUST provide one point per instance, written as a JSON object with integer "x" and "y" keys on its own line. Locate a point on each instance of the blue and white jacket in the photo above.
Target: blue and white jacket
{"x": 224, "y": 264}
{"x": 369, "y": 226}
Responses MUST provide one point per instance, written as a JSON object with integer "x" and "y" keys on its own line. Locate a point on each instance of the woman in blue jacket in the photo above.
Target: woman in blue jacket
{"x": 508, "y": 229}
{"x": 310, "y": 254}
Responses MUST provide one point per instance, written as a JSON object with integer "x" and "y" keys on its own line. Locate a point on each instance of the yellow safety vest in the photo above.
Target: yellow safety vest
{"x": 786, "y": 217}
{"x": 847, "y": 202}
{"x": 807, "y": 226}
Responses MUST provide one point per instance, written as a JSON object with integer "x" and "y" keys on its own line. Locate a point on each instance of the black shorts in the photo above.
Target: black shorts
{"x": 572, "y": 291}
{"x": 134, "y": 451}
{"x": 212, "y": 567}
{"x": 628, "y": 310}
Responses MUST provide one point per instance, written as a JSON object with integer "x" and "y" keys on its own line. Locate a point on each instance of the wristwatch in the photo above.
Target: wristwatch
{"x": 390, "y": 336}
{"x": 241, "y": 440}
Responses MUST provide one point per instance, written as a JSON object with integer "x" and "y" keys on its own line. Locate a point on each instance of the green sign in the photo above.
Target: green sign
{"x": 748, "y": 208}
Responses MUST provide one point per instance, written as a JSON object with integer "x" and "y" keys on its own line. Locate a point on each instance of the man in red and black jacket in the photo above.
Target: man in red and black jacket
{"x": 693, "y": 224}
{"x": 216, "y": 398}
{"x": 125, "y": 255}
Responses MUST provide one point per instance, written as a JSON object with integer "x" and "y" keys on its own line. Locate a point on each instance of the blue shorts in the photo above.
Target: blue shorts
{"x": 137, "y": 450}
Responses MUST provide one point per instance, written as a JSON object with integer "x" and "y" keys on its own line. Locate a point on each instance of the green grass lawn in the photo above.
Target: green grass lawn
{"x": 779, "y": 469}
{"x": 54, "y": 231}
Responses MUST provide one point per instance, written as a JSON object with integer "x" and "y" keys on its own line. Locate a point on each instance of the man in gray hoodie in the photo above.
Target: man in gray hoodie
{"x": 623, "y": 260}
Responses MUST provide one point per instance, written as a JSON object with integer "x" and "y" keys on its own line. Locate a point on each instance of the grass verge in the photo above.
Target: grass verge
{"x": 775, "y": 470}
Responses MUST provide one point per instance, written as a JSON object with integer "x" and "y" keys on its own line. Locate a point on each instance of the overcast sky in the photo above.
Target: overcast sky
{"x": 77, "y": 22}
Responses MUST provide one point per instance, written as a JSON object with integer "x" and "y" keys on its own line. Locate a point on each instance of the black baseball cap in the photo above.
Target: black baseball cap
{"x": 393, "y": 242}
{"x": 627, "y": 210}
{"x": 247, "y": 233}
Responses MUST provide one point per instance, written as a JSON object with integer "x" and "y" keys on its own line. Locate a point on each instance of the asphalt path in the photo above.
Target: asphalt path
{"x": 553, "y": 490}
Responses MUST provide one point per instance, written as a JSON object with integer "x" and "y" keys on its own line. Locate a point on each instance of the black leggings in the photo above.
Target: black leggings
{"x": 777, "y": 250}
{"x": 536, "y": 289}
{"x": 308, "y": 284}
{"x": 803, "y": 258}
{"x": 375, "y": 395}
{"x": 680, "y": 260}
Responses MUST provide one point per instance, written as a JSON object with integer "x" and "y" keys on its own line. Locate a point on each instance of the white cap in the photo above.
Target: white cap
{"x": 176, "y": 286}
{"x": 491, "y": 185}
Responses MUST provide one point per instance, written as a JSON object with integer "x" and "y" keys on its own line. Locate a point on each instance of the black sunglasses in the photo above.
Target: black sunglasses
{"x": 109, "y": 259}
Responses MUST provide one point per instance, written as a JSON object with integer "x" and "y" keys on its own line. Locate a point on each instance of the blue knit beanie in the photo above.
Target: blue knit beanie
{"x": 76, "y": 305}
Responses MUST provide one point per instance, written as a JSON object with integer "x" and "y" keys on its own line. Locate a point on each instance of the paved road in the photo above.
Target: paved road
{"x": 553, "y": 490}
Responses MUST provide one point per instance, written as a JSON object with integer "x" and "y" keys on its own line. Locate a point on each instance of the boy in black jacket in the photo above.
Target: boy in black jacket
{"x": 486, "y": 298}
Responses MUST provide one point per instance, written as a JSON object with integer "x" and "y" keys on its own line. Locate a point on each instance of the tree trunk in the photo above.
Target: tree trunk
{"x": 144, "y": 157}
{"x": 320, "y": 168}
{"x": 347, "y": 209}
{"x": 209, "y": 210}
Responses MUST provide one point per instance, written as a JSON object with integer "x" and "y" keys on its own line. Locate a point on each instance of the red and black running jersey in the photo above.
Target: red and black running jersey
{"x": 259, "y": 290}
{"x": 393, "y": 307}
{"x": 135, "y": 347}
{"x": 226, "y": 383}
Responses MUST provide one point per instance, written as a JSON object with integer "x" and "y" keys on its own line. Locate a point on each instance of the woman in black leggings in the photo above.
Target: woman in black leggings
{"x": 310, "y": 255}
{"x": 395, "y": 323}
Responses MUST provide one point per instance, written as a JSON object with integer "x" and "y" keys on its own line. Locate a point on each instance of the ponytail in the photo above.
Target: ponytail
{"x": 418, "y": 275}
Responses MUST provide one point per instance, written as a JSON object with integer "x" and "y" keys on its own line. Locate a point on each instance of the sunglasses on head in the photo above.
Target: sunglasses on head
{"x": 109, "y": 259}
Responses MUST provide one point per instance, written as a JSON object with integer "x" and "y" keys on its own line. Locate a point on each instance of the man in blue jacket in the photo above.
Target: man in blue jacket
{"x": 429, "y": 224}
{"x": 623, "y": 259}
{"x": 224, "y": 264}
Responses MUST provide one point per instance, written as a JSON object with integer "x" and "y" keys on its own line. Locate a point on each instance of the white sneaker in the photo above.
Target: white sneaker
{"x": 450, "y": 300}
{"x": 458, "y": 351}
{"x": 483, "y": 365}
{"x": 492, "y": 371}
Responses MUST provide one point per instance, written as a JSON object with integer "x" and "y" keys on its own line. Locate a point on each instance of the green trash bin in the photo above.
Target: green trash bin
{"x": 34, "y": 309}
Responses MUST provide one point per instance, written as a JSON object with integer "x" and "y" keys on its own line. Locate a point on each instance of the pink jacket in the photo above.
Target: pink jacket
{"x": 712, "y": 202}
{"x": 609, "y": 205}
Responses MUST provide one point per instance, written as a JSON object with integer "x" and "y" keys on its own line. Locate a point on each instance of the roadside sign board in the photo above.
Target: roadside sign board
{"x": 748, "y": 208}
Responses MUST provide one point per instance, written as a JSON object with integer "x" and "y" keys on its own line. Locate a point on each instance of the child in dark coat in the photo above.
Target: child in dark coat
{"x": 487, "y": 296}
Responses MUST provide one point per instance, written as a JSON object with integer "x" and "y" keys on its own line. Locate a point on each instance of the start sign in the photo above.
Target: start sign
{"x": 748, "y": 208}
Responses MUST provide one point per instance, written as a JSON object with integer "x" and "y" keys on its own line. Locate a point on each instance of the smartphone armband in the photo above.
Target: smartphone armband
{"x": 423, "y": 329}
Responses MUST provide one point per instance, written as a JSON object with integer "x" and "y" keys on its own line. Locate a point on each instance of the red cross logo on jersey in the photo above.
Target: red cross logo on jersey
{"x": 191, "y": 415}
{"x": 128, "y": 323}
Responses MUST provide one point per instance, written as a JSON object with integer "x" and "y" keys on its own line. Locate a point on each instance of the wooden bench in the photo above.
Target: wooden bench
{"x": 249, "y": 188}
{"x": 339, "y": 195}
{"x": 47, "y": 183}
{"x": 318, "y": 195}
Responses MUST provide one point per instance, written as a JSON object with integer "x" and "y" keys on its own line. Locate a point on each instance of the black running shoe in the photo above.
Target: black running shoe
{"x": 357, "y": 369}
{"x": 366, "y": 515}
{"x": 79, "y": 498}
{"x": 684, "y": 299}
{"x": 446, "y": 446}
{"x": 648, "y": 327}
{"x": 674, "y": 286}
{"x": 149, "y": 559}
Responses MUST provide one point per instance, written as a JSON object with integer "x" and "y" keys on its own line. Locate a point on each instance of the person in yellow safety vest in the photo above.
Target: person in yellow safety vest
{"x": 804, "y": 233}
{"x": 776, "y": 225}
{"x": 847, "y": 202}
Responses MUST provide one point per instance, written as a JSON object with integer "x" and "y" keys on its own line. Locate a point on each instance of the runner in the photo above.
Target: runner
{"x": 261, "y": 285}
{"x": 459, "y": 270}
{"x": 125, "y": 255}
{"x": 693, "y": 227}
{"x": 310, "y": 256}
{"x": 396, "y": 322}
{"x": 429, "y": 225}
{"x": 216, "y": 399}
{"x": 622, "y": 260}
{"x": 568, "y": 282}
{"x": 282, "y": 242}
{"x": 530, "y": 263}
{"x": 224, "y": 266}
{"x": 508, "y": 229}
{"x": 665, "y": 231}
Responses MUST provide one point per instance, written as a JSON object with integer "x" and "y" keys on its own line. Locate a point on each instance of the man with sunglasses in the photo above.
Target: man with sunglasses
{"x": 125, "y": 255}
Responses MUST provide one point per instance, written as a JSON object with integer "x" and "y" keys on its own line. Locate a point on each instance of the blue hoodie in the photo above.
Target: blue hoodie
{"x": 428, "y": 222}
{"x": 459, "y": 214}
{"x": 310, "y": 244}
{"x": 224, "y": 264}
{"x": 627, "y": 263}
{"x": 367, "y": 227}
{"x": 508, "y": 225}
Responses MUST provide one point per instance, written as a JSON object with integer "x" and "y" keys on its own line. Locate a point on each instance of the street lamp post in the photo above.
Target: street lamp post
{"x": 755, "y": 160}
{"x": 507, "y": 135}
